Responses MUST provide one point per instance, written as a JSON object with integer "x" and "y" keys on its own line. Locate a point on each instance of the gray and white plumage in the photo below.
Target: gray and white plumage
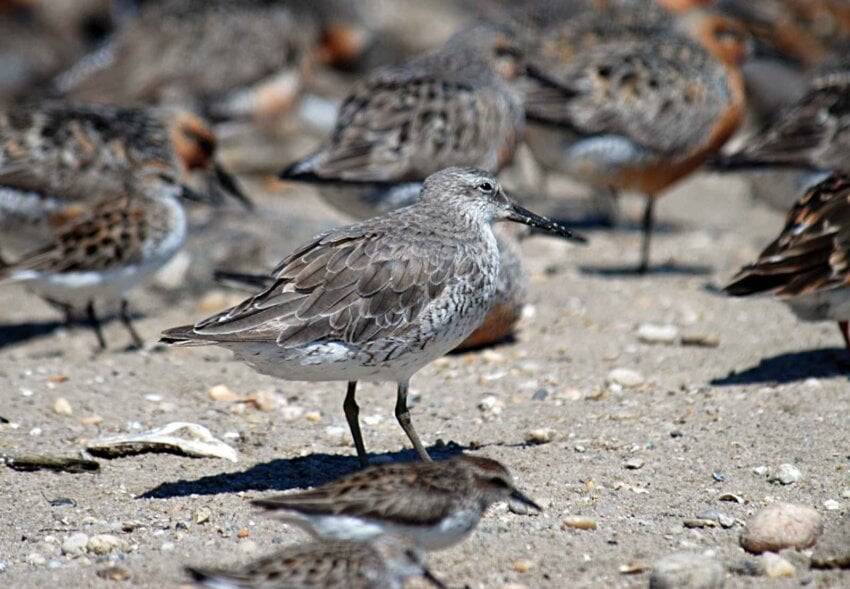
{"x": 452, "y": 107}
{"x": 435, "y": 504}
{"x": 379, "y": 299}
{"x": 384, "y": 563}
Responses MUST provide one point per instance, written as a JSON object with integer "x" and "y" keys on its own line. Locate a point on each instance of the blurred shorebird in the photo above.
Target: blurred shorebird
{"x": 808, "y": 265}
{"x": 102, "y": 253}
{"x": 225, "y": 58}
{"x": 636, "y": 106}
{"x": 56, "y": 159}
{"x": 814, "y": 134}
{"x": 453, "y": 107}
{"x": 383, "y": 563}
{"x": 377, "y": 300}
{"x": 435, "y": 504}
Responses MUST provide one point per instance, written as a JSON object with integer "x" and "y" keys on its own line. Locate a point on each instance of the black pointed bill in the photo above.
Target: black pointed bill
{"x": 521, "y": 497}
{"x": 522, "y": 215}
{"x": 229, "y": 185}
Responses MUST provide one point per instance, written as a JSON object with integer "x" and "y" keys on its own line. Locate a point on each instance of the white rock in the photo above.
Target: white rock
{"x": 62, "y": 407}
{"x": 105, "y": 543}
{"x": 831, "y": 505}
{"x": 167, "y": 546}
{"x": 684, "y": 570}
{"x": 491, "y": 404}
{"x": 75, "y": 544}
{"x": 775, "y": 566}
{"x": 540, "y": 436}
{"x": 625, "y": 377}
{"x": 291, "y": 412}
{"x": 36, "y": 559}
{"x": 657, "y": 334}
{"x": 786, "y": 474}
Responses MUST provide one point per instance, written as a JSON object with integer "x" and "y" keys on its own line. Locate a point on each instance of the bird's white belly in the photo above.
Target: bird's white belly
{"x": 822, "y": 305}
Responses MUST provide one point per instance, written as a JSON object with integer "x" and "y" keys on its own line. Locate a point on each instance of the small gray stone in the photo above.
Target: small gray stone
{"x": 782, "y": 525}
{"x": 35, "y": 559}
{"x": 786, "y": 474}
{"x": 75, "y": 544}
{"x": 634, "y": 463}
{"x": 724, "y": 519}
{"x": 684, "y": 570}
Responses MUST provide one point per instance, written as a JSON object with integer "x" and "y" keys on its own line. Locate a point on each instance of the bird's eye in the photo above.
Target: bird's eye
{"x": 485, "y": 187}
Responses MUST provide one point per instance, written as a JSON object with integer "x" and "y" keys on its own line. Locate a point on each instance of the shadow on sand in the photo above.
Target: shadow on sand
{"x": 288, "y": 473}
{"x": 669, "y": 269}
{"x": 792, "y": 367}
{"x": 16, "y": 333}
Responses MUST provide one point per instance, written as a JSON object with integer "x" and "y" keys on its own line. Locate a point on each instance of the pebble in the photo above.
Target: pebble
{"x": 167, "y": 546}
{"x": 579, "y": 522}
{"x": 634, "y": 463}
{"x": 625, "y": 377}
{"x": 201, "y": 515}
{"x": 657, "y": 334}
{"x": 291, "y": 412}
{"x": 833, "y": 550}
{"x": 491, "y": 404}
{"x": 702, "y": 340}
{"x": 775, "y": 566}
{"x": 243, "y": 533}
{"x": 313, "y": 416}
{"x": 2, "y": 566}
{"x": 540, "y": 436}
{"x": 91, "y": 420}
{"x": 62, "y": 407}
{"x": 831, "y": 505}
{"x": 761, "y": 470}
{"x": 336, "y": 434}
{"x": 114, "y": 573}
{"x": 540, "y": 395}
{"x": 220, "y": 392}
{"x": 786, "y": 474}
{"x": 725, "y": 520}
{"x": 781, "y": 525}
{"x": 75, "y": 544}
{"x": 523, "y": 565}
{"x": 684, "y": 570}
{"x": 247, "y": 547}
{"x": 731, "y": 497}
{"x": 105, "y": 543}
{"x": 36, "y": 559}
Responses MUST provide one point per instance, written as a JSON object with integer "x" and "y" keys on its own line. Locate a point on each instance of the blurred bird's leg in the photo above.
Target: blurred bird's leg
{"x": 648, "y": 221}
{"x": 124, "y": 313}
{"x": 402, "y": 414}
{"x": 95, "y": 325}
{"x": 65, "y": 308}
{"x": 352, "y": 416}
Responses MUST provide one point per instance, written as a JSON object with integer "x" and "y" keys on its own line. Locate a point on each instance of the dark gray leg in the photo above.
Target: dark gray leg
{"x": 128, "y": 323}
{"x": 647, "y": 235}
{"x": 95, "y": 324}
{"x": 402, "y": 413}
{"x": 352, "y": 414}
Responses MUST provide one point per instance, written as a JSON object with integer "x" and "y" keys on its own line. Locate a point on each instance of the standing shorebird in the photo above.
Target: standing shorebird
{"x": 808, "y": 265}
{"x": 383, "y": 563}
{"x": 379, "y": 299}
{"x": 436, "y": 504}
{"x": 635, "y": 107}
{"x": 226, "y": 58}
{"x": 57, "y": 159}
{"x": 102, "y": 253}
{"x": 452, "y": 107}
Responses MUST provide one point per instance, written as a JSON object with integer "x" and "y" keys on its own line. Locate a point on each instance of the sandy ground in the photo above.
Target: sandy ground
{"x": 773, "y": 391}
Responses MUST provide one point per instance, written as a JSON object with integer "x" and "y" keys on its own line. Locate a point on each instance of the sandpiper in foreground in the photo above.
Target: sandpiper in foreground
{"x": 436, "y": 504}
{"x": 379, "y": 299}
{"x": 383, "y": 563}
